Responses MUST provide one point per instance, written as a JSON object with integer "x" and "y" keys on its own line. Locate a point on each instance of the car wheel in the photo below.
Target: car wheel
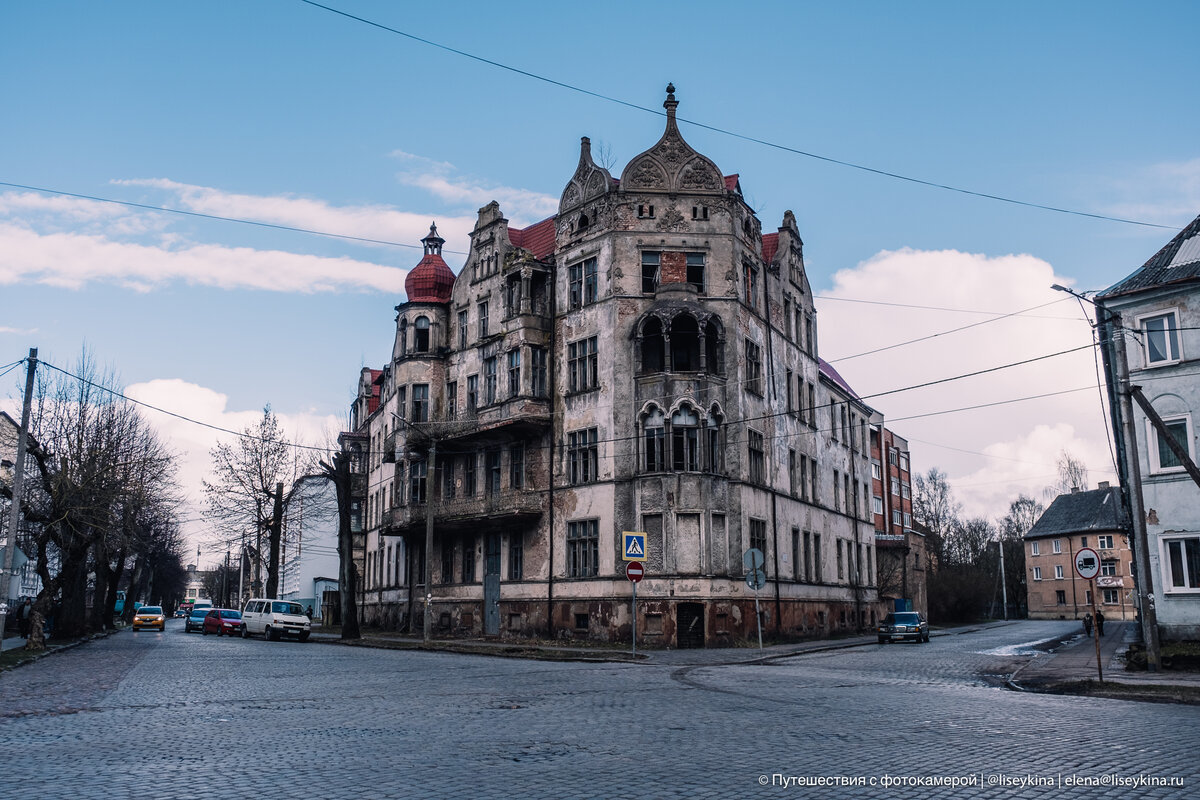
{"x": 883, "y": 640}
{"x": 267, "y": 634}
{"x": 925, "y": 639}
{"x": 245, "y": 633}
{"x": 220, "y": 631}
{"x": 304, "y": 637}
{"x": 204, "y": 631}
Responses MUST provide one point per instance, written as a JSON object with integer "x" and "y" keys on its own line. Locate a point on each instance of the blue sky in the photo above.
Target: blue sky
{"x": 285, "y": 113}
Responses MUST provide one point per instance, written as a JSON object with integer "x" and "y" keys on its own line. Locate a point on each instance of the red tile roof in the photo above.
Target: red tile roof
{"x": 770, "y": 245}
{"x": 376, "y": 389}
{"x": 430, "y": 281}
{"x": 538, "y": 238}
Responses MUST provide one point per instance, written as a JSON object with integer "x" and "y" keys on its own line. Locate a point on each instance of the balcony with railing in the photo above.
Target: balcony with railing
{"x": 503, "y": 420}
{"x": 510, "y": 506}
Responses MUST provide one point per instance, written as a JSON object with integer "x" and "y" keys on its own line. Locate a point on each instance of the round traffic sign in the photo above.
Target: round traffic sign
{"x": 1087, "y": 563}
{"x": 634, "y": 571}
{"x": 756, "y": 579}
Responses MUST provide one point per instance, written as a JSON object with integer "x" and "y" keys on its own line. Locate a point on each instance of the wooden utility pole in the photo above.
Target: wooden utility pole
{"x": 276, "y": 531}
{"x": 14, "y": 518}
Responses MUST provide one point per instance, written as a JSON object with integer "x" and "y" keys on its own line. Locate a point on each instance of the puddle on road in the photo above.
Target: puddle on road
{"x": 1033, "y": 648}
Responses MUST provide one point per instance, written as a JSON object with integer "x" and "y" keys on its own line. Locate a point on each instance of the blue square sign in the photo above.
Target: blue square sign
{"x": 633, "y": 546}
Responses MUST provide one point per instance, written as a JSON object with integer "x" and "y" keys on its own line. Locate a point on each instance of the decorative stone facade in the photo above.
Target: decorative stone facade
{"x": 645, "y": 360}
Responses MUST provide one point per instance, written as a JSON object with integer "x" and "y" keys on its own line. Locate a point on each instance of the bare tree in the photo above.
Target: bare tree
{"x": 338, "y": 471}
{"x": 97, "y": 456}
{"x": 250, "y": 479}
{"x": 1072, "y": 474}
{"x": 934, "y": 507}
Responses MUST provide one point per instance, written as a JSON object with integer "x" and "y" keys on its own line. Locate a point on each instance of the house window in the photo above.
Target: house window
{"x": 876, "y": 505}
{"x": 695, "y": 267}
{"x": 895, "y": 486}
{"x": 755, "y": 444}
{"x": 401, "y": 403}
{"x": 753, "y": 368}
{"x": 1181, "y": 564}
{"x": 538, "y": 370}
{"x": 516, "y": 466}
{"x": 788, "y": 382}
{"x": 470, "y": 474}
{"x": 903, "y": 462}
{"x": 583, "y": 366}
{"x": 583, "y": 548}
{"x": 1058, "y": 572}
{"x": 512, "y": 295}
{"x": 583, "y": 456}
{"x": 905, "y": 491}
{"x": 791, "y": 472}
{"x": 582, "y": 283}
{"x": 818, "y": 563}
{"x": 1108, "y": 566}
{"x": 1111, "y": 597}
{"x": 713, "y": 453}
{"x": 489, "y": 380}
{"x": 483, "y": 320}
{"x": 685, "y": 440}
{"x": 472, "y": 392}
{"x": 841, "y": 561}
{"x": 447, "y": 562}
{"x": 417, "y": 473}
{"x": 650, "y": 271}
{"x": 645, "y": 211}
{"x": 750, "y": 279}
{"x": 1060, "y": 597}
{"x": 1106, "y": 542}
{"x": 468, "y": 559}
{"x": 876, "y": 471}
{"x": 420, "y": 402}
{"x": 654, "y": 439}
{"x": 804, "y": 477}
{"x": 448, "y": 487}
{"x": 462, "y": 330}
{"x": 758, "y": 535}
{"x": 421, "y": 335}
{"x": 452, "y": 399}
{"x": 491, "y": 480}
{"x": 907, "y": 521}
{"x": 1162, "y": 338}
{"x": 514, "y": 373}
{"x": 1162, "y": 458}
{"x": 1035, "y": 548}
{"x": 897, "y": 517}
{"x": 1037, "y": 573}
{"x": 1056, "y": 545}
{"x": 516, "y": 557}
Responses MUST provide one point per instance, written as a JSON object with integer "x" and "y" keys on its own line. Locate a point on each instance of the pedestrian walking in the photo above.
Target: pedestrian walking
{"x": 1087, "y": 625}
{"x": 308, "y": 611}
{"x": 23, "y": 614}
{"x": 1099, "y": 622}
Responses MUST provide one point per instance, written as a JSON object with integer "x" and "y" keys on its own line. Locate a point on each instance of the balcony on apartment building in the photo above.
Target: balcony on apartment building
{"x": 504, "y": 420}
{"x": 457, "y": 514}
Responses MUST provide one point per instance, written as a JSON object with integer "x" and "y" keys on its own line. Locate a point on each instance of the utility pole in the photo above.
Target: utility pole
{"x": 275, "y": 530}
{"x": 1003, "y": 582}
{"x": 14, "y": 519}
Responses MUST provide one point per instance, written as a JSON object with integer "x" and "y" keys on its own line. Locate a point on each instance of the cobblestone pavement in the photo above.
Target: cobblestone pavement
{"x": 179, "y": 715}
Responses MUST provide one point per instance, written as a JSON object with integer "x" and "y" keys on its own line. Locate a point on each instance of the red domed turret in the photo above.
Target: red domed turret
{"x": 431, "y": 281}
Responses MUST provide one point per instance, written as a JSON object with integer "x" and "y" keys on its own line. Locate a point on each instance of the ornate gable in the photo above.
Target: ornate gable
{"x": 588, "y": 182}
{"x": 671, "y": 165}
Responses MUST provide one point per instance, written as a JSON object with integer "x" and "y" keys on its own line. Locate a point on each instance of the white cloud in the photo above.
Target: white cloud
{"x": 1033, "y": 432}
{"x": 17, "y": 331}
{"x": 1166, "y": 193}
{"x": 192, "y": 443}
{"x": 522, "y": 206}
{"x": 74, "y": 260}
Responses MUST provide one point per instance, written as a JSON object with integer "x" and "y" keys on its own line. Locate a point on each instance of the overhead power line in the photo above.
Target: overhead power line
{"x": 725, "y": 132}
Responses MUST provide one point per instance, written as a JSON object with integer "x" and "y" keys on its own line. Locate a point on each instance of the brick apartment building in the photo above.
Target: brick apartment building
{"x": 899, "y": 549}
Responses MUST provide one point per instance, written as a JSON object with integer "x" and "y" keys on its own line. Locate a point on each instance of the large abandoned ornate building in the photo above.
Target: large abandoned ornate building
{"x": 645, "y": 360}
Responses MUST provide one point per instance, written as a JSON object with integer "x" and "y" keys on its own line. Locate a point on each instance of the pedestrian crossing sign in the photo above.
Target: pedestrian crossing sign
{"x": 633, "y": 546}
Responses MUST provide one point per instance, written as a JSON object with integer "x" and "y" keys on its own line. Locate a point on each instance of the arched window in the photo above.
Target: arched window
{"x": 652, "y": 346}
{"x": 583, "y": 223}
{"x": 654, "y": 442}
{"x": 714, "y": 341}
{"x": 421, "y": 335}
{"x": 403, "y": 336}
{"x": 685, "y": 440}
{"x": 685, "y": 344}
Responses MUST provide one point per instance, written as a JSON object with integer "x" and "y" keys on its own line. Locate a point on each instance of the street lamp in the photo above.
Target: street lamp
{"x": 1131, "y": 476}
{"x": 430, "y": 471}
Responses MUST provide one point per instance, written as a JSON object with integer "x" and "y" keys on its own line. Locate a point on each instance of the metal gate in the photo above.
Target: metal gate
{"x": 689, "y": 625}
{"x": 491, "y": 585}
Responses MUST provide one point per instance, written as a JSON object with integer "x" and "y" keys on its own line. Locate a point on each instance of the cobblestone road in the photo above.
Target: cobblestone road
{"x": 184, "y": 716}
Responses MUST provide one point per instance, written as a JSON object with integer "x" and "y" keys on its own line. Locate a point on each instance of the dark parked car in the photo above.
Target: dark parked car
{"x": 222, "y": 621}
{"x": 195, "y": 619}
{"x": 904, "y": 625}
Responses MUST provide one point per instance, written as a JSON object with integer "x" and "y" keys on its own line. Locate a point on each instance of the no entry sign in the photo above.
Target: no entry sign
{"x": 634, "y": 571}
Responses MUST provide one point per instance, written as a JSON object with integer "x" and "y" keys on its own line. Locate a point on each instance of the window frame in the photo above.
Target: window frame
{"x": 1156, "y": 451}
{"x": 1190, "y": 578}
{"x": 1170, "y": 336}
{"x": 583, "y": 548}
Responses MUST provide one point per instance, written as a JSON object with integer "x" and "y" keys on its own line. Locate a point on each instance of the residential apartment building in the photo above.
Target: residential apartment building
{"x": 1159, "y": 303}
{"x": 308, "y": 550}
{"x": 900, "y": 549}
{"x": 1095, "y": 519}
{"x": 645, "y": 360}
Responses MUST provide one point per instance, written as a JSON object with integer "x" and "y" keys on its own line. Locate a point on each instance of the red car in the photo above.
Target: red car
{"x": 223, "y": 621}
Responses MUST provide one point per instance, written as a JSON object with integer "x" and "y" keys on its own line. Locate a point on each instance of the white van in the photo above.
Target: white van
{"x": 274, "y": 618}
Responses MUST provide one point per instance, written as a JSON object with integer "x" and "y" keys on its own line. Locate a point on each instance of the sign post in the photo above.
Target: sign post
{"x": 1087, "y": 565}
{"x": 633, "y": 550}
{"x": 753, "y": 560}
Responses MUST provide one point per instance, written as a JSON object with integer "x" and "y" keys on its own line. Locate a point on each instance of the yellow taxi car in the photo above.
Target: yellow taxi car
{"x": 149, "y": 617}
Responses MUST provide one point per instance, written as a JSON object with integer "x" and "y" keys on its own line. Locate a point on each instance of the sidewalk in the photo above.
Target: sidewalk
{"x": 1075, "y": 660}
{"x": 610, "y": 653}
{"x": 13, "y": 642}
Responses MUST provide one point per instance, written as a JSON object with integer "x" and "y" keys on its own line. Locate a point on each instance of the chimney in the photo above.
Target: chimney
{"x": 1102, "y": 485}
{"x": 1074, "y": 490}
